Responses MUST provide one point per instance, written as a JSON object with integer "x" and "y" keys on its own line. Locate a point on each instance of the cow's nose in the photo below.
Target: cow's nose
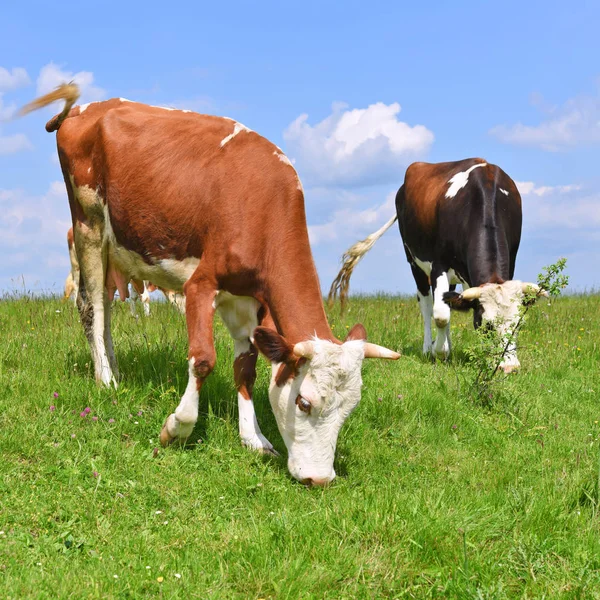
{"x": 318, "y": 482}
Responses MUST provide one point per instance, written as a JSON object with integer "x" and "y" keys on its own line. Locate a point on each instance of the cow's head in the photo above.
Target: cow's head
{"x": 497, "y": 305}
{"x": 315, "y": 385}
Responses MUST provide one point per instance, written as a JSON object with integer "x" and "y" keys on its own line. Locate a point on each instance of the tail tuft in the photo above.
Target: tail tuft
{"x": 69, "y": 92}
{"x": 352, "y": 256}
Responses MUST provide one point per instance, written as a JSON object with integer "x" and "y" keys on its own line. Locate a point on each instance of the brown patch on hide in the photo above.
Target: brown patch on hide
{"x": 288, "y": 371}
{"x": 244, "y": 372}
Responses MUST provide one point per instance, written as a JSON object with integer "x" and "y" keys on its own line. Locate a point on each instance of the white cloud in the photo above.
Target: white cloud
{"x": 10, "y": 144}
{"x": 576, "y": 123}
{"x": 348, "y": 224}
{"x": 31, "y": 222}
{"x": 13, "y": 80}
{"x": 33, "y": 239}
{"x": 6, "y": 112}
{"x": 354, "y": 147}
{"x": 52, "y": 75}
{"x": 546, "y": 208}
{"x": 527, "y": 188}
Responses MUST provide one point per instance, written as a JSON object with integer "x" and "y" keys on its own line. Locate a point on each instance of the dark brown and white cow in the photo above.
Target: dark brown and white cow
{"x": 460, "y": 223}
{"x": 203, "y": 204}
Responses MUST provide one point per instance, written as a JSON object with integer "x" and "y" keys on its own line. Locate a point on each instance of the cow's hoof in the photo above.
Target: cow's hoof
{"x": 175, "y": 432}
{"x": 261, "y": 444}
{"x": 442, "y": 355}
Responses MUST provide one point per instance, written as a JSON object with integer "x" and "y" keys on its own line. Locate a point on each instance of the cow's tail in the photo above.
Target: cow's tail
{"x": 69, "y": 92}
{"x": 351, "y": 258}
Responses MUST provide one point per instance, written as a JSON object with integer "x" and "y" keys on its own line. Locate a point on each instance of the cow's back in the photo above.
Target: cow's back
{"x": 175, "y": 183}
{"x": 455, "y": 211}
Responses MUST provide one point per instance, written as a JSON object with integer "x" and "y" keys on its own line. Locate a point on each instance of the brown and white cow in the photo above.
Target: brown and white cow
{"x": 203, "y": 204}
{"x": 460, "y": 223}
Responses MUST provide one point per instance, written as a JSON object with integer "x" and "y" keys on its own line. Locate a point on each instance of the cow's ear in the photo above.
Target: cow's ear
{"x": 456, "y": 301}
{"x": 274, "y": 346}
{"x": 358, "y": 332}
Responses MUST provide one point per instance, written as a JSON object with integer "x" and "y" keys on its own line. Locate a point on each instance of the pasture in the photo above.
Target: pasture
{"x": 437, "y": 495}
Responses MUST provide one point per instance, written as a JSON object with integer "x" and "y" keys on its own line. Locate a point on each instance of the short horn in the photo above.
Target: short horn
{"x": 533, "y": 288}
{"x": 472, "y": 293}
{"x": 375, "y": 351}
{"x": 304, "y": 349}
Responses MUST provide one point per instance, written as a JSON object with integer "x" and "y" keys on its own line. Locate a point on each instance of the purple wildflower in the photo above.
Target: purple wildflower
{"x": 94, "y": 418}
{"x": 140, "y": 413}
{"x": 111, "y": 420}
{"x": 55, "y": 394}
{"x": 83, "y": 414}
{"x": 454, "y": 427}
{"x": 87, "y": 410}
{"x": 95, "y": 473}
{"x": 52, "y": 408}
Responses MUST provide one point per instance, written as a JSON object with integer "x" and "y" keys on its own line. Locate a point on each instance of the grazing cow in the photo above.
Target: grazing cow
{"x": 460, "y": 223}
{"x": 203, "y": 204}
{"x": 175, "y": 298}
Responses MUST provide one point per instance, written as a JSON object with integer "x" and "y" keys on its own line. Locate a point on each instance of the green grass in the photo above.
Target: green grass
{"x": 436, "y": 495}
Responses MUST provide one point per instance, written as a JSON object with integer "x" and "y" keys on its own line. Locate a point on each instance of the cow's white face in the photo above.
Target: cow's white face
{"x": 314, "y": 387}
{"x": 311, "y": 407}
{"x": 501, "y": 304}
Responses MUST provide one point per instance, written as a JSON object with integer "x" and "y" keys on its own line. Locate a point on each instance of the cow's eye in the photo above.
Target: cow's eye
{"x": 303, "y": 404}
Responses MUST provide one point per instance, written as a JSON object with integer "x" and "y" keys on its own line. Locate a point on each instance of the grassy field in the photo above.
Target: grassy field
{"x": 437, "y": 495}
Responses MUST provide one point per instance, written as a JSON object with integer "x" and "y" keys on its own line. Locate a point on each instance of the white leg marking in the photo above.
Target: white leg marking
{"x": 426, "y": 306}
{"x": 240, "y": 317}
{"x": 441, "y": 315}
{"x": 250, "y": 432}
{"x": 102, "y": 361}
{"x": 110, "y": 350}
{"x": 145, "y": 297}
{"x": 181, "y": 423}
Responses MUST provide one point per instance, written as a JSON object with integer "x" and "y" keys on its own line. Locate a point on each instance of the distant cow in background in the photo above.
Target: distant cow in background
{"x": 72, "y": 281}
{"x": 460, "y": 223}
{"x": 140, "y": 290}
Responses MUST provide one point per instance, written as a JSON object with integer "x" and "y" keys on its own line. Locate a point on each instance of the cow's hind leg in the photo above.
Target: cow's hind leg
{"x": 92, "y": 300}
{"x": 240, "y": 315}
{"x": 200, "y": 292}
{"x": 440, "y": 282}
{"x": 425, "y": 305}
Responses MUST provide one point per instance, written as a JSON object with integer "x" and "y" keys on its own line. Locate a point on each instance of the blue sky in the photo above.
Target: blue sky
{"x": 353, "y": 92}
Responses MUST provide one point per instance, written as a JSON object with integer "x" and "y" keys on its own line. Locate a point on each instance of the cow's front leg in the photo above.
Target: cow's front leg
{"x": 244, "y": 368}
{"x": 441, "y": 311}
{"x": 240, "y": 315}
{"x": 200, "y": 293}
{"x": 425, "y": 305}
